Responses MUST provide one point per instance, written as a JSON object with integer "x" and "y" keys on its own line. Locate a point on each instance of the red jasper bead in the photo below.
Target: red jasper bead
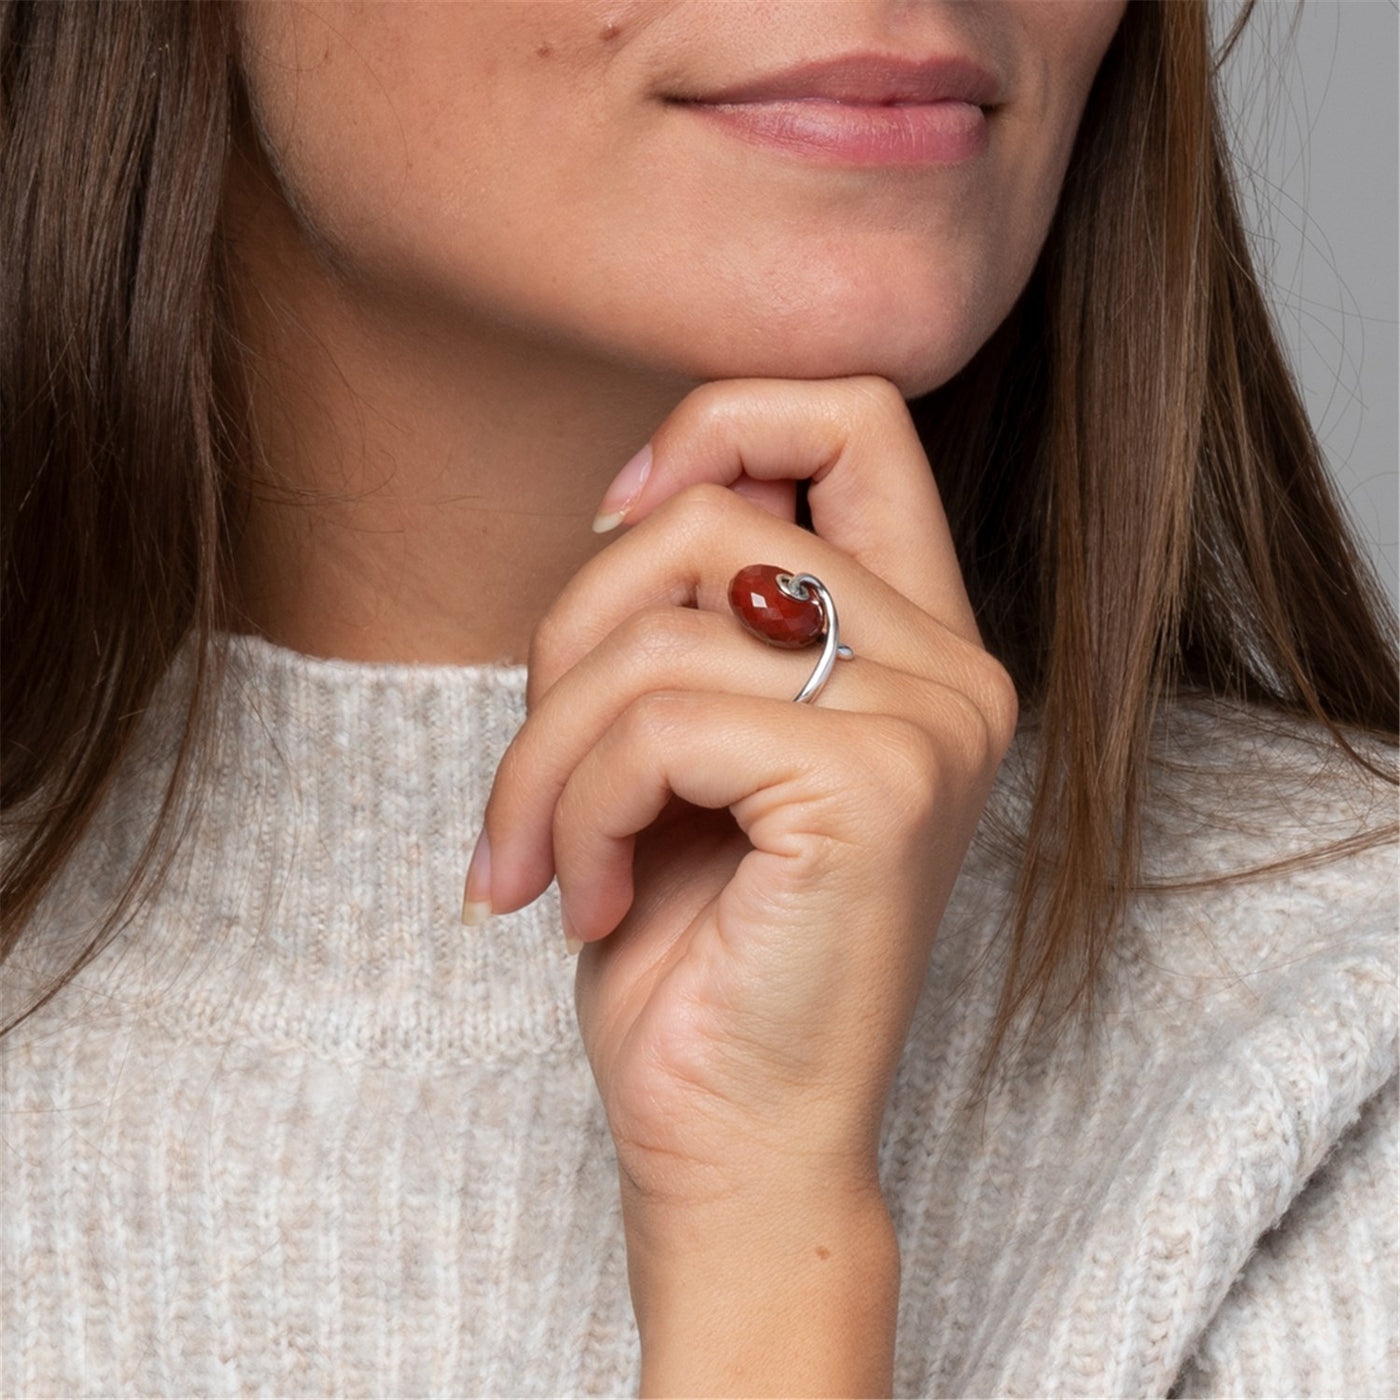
{"x": 771, "y": 614}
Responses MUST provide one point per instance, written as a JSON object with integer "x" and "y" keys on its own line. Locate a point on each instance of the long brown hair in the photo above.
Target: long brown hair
{"x": 115, "y": 122}
{"x": 1138, "y": 499}
{"x": 1139, "y": 502}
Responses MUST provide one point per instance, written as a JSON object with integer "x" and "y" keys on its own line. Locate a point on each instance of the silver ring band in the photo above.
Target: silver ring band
{"x": 802, "y": 587}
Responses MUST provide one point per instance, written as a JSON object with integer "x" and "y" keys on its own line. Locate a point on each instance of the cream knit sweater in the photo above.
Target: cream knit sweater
{"x": 299, "y": 1133}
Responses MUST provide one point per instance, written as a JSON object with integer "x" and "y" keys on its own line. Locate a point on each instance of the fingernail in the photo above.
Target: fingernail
{"x": 476, "y": 897}
{"x": 572, "y": 943}
{"x": 621, "y": 495}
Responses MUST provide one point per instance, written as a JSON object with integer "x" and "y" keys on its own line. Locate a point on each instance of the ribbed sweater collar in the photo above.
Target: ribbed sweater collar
{"x": 316, "y": 899}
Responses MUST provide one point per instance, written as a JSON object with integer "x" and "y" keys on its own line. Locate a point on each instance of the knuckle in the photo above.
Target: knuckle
{"x": 704, "y": 414}
{"x": 702, "y": 510}
{"x": 875, "y": 400}
{"x": 710, "y": 408}
{"x": 651, "y": 718}
{"x": 652, "y": 638}
{"x": 903, "y": 762}
{"x": 546, "y": 642}
{"x": 995, "y": 696}
{"x": 967, "y": 739}
{"x": 565, "y": 820}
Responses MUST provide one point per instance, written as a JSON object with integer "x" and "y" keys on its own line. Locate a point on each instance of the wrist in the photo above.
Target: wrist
{"x": 792, "y": 1293}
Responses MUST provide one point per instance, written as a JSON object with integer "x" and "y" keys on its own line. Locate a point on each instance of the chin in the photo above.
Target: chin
{"x": 917, "y": 337}
{"x": 915, "y": 364}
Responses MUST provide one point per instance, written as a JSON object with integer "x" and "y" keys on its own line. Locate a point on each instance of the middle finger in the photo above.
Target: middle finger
{"x": 685, "y": 555}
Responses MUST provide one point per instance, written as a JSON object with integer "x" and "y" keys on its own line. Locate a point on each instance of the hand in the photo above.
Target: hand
{"x": 757, "y": 882}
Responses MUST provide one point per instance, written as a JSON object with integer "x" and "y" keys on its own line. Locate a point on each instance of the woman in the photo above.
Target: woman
{"x": 330, "y": 328}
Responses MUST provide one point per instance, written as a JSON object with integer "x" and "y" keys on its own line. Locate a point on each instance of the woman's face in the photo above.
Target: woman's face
{"x": 709, "y": 188}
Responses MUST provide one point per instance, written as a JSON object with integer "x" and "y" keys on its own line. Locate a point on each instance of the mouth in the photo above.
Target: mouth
{"x": 860, "y": 110}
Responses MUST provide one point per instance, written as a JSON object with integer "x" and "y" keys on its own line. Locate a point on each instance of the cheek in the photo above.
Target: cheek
{"x": 1062, "y": 43}
{"x": 376, "y": 116}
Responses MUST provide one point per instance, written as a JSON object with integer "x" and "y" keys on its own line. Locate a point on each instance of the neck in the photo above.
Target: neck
{"x": 422, "y": 482}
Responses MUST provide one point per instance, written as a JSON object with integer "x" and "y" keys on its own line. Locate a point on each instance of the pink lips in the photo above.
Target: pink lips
{"x": 862, "y": 110}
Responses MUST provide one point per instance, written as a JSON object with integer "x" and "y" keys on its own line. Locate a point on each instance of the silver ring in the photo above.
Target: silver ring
{"x": 802, "y": 587}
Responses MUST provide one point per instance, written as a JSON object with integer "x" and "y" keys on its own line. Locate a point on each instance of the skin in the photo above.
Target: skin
{"x": 482, "y": 256}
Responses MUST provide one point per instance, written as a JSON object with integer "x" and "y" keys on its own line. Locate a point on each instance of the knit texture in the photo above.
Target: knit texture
{"x": 297, "y": 1132}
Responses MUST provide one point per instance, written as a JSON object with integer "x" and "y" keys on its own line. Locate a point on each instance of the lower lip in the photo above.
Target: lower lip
{"x": 847, "y": 133}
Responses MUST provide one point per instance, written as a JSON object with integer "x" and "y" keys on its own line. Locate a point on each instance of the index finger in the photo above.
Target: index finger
{"x": 872, "y": 491}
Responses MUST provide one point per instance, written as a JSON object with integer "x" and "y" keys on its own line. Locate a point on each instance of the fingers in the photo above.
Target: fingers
{"x": 872, "y": 492}
{"x": 667, "y": 650}
{"x": 643, "y": 633}
{"x": 686, "y": 554}
{"x": 802, "y": 784}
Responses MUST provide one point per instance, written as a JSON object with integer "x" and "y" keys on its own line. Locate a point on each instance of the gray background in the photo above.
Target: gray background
{"x": 1314, "y": 98}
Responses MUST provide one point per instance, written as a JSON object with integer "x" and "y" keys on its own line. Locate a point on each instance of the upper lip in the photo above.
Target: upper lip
{"x": 868, "y": 80}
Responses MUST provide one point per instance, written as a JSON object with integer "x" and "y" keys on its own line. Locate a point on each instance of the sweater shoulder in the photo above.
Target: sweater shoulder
{"x": 1234, "y": 790}
{"x": 1112, "y": 1178}
{"x": 1270, "y": 854}
{"x": 1314, "y": 1310}
{"x": 1266, "y": 841}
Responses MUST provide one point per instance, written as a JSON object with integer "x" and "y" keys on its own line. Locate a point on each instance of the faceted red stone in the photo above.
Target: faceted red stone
{"x": 768, "y": 612}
